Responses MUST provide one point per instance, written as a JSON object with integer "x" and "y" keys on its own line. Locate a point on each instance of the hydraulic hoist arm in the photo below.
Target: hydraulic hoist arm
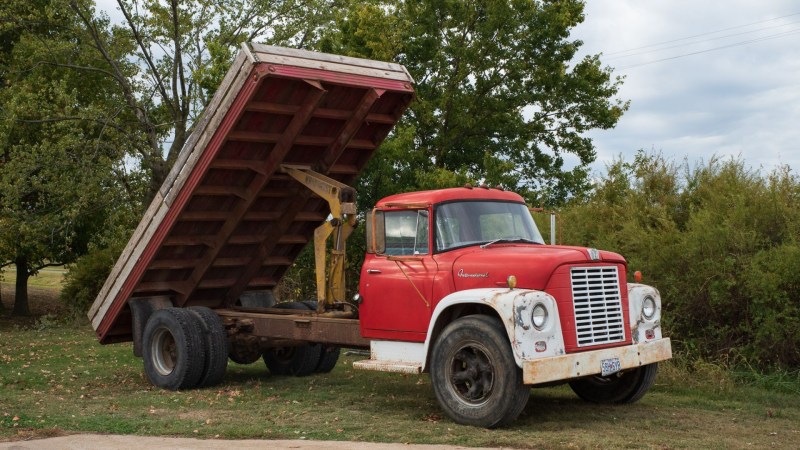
{"x": 342, "y": 201}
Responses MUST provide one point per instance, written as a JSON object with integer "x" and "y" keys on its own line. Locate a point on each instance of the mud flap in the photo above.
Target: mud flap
{"x": 141, "y": 309}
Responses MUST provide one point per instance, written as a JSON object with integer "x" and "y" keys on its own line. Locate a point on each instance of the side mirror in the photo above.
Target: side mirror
{"x": 376, "y": 232}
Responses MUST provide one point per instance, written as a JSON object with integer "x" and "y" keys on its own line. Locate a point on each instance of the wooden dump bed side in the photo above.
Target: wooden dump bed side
{"x": 227, "y": 220}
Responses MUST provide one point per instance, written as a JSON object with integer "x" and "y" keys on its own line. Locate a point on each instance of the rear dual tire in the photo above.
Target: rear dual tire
{"x": 301, "y": 360}
{"x": 184, "y": 348}
{"x": 298, "y": 361}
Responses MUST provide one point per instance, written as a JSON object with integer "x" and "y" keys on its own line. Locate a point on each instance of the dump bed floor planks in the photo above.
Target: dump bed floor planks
{"x": 226, "y": 219}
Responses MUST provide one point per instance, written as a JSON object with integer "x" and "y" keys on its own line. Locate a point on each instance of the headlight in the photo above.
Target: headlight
{"x": 539, "y": 316}
{"x": 649, "y": 307}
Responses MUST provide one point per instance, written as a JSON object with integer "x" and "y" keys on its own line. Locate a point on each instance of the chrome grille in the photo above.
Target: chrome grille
{"x": 598, "y": 305}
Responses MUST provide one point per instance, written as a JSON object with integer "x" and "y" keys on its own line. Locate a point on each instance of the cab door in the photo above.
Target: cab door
{"x": 397, "y": 280}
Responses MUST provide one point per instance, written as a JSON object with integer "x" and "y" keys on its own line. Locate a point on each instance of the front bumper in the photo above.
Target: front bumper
{"x": 575, "y": 365}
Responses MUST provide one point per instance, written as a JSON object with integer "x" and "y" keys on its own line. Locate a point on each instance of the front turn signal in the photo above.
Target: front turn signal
{"x": 637, "y": 276}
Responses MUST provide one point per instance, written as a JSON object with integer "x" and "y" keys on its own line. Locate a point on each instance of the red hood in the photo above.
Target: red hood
{"x": 531, "y": 264}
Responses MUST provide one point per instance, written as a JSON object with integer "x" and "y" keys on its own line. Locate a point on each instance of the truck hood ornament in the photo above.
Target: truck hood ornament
{"x": 594, "y": 254}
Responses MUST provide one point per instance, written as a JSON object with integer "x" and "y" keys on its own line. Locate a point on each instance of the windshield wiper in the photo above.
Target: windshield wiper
{"x": 513, "y": 239}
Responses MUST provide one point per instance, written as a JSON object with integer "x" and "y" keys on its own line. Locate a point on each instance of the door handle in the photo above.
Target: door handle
{"x": 373, "y": 271}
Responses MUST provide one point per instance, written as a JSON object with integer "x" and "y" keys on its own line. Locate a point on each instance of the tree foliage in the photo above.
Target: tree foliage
{"x": 719, "y": 240}
{"x": 166, "y": 59}
{"x": 500, "y": 97}
{"x": 58, "y": 155}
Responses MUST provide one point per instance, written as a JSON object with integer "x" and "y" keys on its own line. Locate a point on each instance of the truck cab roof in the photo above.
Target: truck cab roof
{"x": 424, "y": 198}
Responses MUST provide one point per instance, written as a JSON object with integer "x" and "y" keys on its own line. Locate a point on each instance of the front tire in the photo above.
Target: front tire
{"x": 627, "y": 387}
{"x": 474, "y": 375}
{"x": 173, "y": 349}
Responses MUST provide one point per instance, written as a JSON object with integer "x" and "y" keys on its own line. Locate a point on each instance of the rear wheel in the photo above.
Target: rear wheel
{"x": 216, "y": 343}
{"x": 173, "y": 349}
{"x": 474, "y": 375}
{"x": 330, "y": 353}
{"x": 300, "y": 361}
{"x": 626, "y": 387}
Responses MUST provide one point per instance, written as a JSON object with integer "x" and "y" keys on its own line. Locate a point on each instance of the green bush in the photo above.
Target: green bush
{"x": 720, "y": 241}
{"x": 85, "y": 278}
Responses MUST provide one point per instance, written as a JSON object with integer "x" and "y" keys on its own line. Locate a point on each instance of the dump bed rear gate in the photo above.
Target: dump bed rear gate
{"x": 227, "y": 220}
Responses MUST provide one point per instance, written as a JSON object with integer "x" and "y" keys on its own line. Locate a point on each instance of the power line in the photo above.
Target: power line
{"x": 736, "y": 44}
{"x": 656, "y": 44}
{"x": 700, "y": 41}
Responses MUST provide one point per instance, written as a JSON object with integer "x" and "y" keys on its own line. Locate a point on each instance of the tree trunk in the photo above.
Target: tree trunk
{"x": 21, "y": 296}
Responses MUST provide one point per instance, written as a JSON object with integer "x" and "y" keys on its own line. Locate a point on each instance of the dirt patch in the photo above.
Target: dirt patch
{"x": 41, "y": 301}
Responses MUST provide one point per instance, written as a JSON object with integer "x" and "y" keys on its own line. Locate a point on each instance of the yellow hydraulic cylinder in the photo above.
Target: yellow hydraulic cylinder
{"x": 340, "y": 224}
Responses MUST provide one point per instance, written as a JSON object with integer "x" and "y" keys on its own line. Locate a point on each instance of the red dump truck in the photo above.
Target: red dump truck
{"x": 457, "y": 283}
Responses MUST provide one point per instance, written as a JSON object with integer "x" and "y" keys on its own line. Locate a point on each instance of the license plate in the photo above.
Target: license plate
{"x": 609, "y": 366}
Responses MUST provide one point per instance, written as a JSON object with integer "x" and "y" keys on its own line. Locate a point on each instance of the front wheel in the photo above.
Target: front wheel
{"x": 474, "y": 375}
{"x": 626, "y": 387}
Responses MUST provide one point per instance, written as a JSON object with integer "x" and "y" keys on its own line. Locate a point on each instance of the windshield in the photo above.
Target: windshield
{"x": 459, "y": 224}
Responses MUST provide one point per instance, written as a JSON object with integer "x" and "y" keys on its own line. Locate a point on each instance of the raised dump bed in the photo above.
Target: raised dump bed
{"x": 227, "y": 219}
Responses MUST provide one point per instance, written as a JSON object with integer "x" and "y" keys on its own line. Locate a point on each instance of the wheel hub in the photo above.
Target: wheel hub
{"x": 472, "y": 375}
{"x": 164, "y": 351}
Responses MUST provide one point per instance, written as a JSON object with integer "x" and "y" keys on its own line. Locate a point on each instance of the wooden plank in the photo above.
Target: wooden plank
{"x": 330, "y": 66}
{"x": 241, "y": 192}
{"x": 174, "y": 241}
{"x": 237, "y": 164}
{"x": 263, "y": 53}
{"x": 343, "y": 169}
{"x": 203, "y": 216}
{"x": 302, "y": 216}
{"x": 321, "y": 113}
{"x": 276, "y": 261}
{"x": 158, "y": 286}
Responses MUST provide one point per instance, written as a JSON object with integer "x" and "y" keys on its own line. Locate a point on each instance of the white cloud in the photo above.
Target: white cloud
{"x": 738, "y": 101}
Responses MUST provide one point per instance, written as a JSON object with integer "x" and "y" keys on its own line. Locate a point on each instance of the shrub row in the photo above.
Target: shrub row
{"x": 720, "y": 242}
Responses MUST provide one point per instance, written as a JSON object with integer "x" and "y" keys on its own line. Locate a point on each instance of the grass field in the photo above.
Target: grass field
{"x": 56, "y": 379}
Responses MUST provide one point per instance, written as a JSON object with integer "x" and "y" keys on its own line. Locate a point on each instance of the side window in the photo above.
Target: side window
{"x": 406, "y": 232}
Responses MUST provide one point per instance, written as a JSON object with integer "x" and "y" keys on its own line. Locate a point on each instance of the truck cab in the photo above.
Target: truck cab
{"x": 449, "y": 271}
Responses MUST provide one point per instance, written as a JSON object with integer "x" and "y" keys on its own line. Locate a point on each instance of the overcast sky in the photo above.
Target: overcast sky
{"x": 743, "y": 100}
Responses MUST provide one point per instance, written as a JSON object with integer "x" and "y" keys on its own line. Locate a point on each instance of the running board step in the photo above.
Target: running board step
{"x": 389, "y": 366}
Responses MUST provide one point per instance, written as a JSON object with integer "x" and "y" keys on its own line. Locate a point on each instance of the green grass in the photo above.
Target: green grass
{"x": 49, "y": 277}
{"x": 56, "y": 379}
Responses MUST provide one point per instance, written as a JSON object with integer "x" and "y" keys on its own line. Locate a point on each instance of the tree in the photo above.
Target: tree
{"x": 58, "y": 150}
{"x": 174, "y": 56}
{"x": 500, "y": 98}
{"x": 92, "y": 108}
